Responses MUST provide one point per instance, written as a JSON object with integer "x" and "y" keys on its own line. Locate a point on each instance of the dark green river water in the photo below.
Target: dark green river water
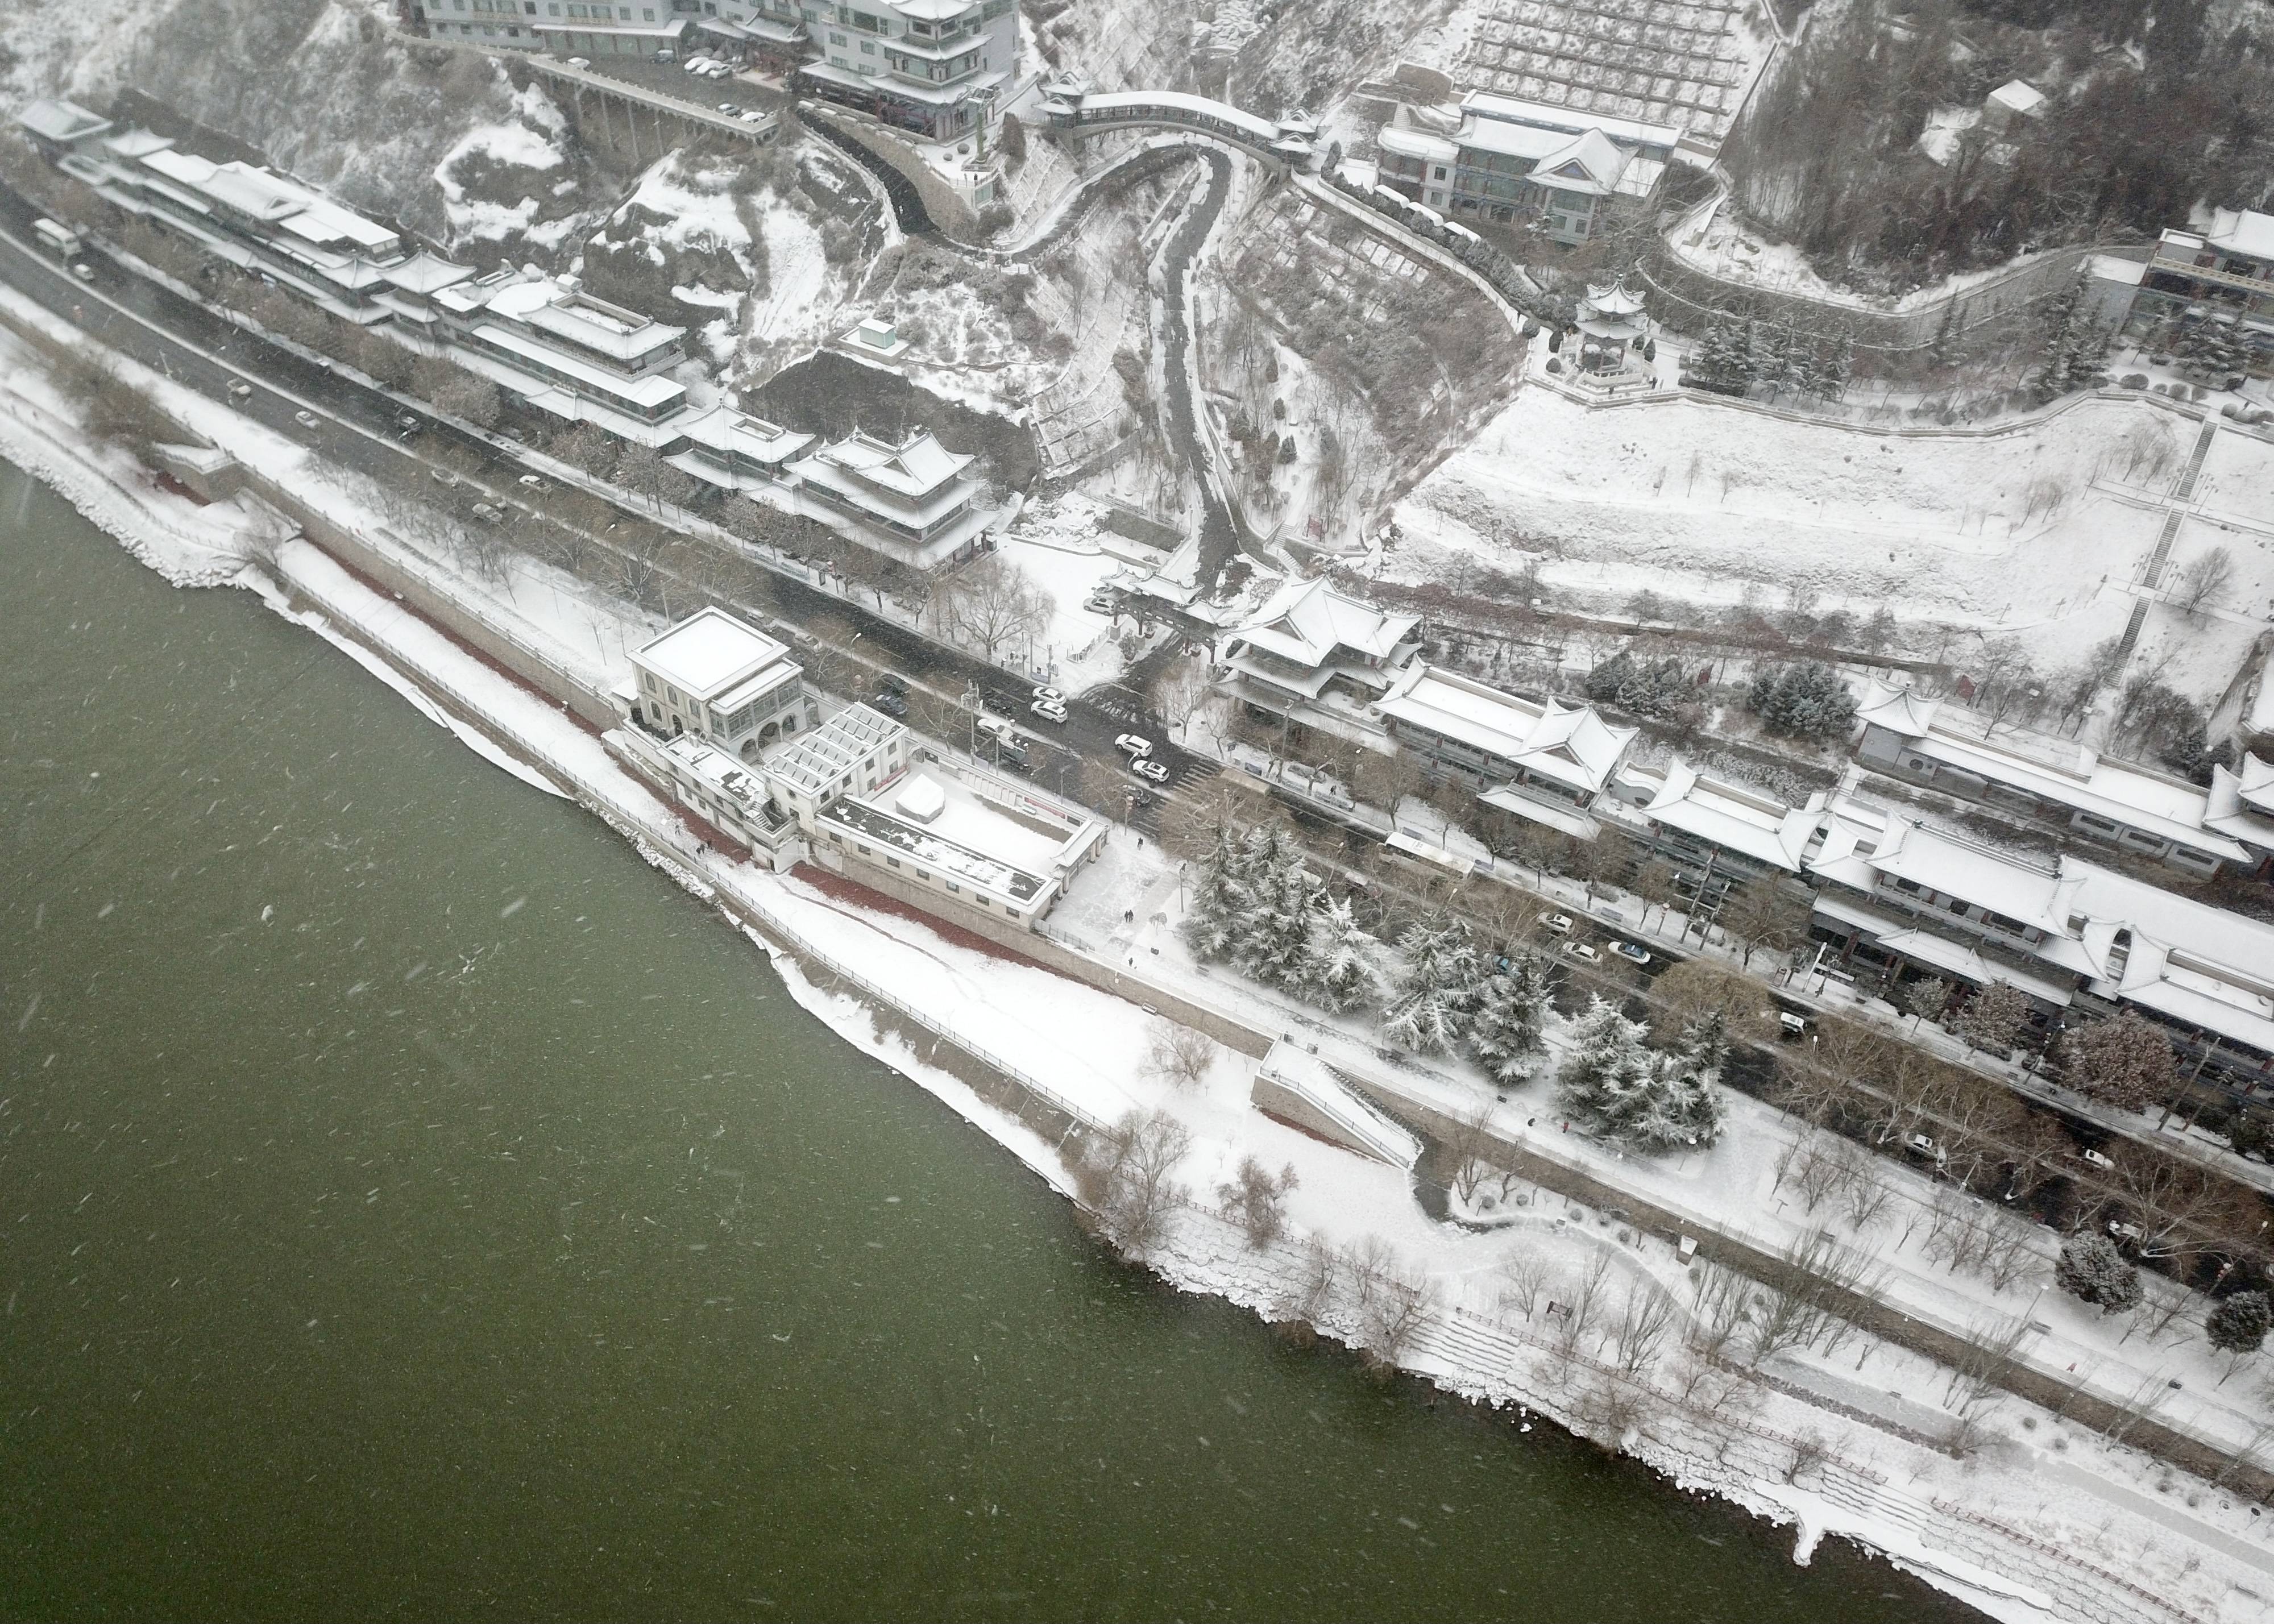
{"x": 411, "y": 1204}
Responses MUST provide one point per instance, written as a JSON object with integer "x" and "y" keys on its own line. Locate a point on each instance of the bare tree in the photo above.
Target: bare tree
{"x": 1314, "y": 1288}
{"x": 1468, "y": 1144}
{"x": 1179, "y": 1054}
{"x": 1183, "y": 690}
{"x": 1122, "y": 1174}
{"x": 1255, "y": 1199}
{"x": 1640, "y": 1333}
{"x": 1760, "y": 916}
{"x": 2204, "y": 578}
{"x": 1395, "y": 1312}
{"x": 993, "y": 604}
{"x": 1526, "y": 1273}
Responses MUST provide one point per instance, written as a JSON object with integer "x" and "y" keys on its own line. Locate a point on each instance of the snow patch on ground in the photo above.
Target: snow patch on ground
{"x": 2042, "y": 528}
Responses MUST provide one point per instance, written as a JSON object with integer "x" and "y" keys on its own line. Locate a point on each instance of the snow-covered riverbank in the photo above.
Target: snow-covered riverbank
{"x": 2049, "y": 1522}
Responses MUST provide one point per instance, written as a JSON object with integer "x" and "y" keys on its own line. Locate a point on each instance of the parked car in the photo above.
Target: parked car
{"x": 1583, "y": 952}
{"x": 1919, "y": 1144}
{"x": 82, "y": 269}
{"x": 442, "y": 476}
{"x": 1130, "y": 744}
{"x": 892, "y": 682}
{"x": 751, "y": 118}
{"x": 2104, "y": 1163}
{"x": 1101, "y": 603}
{"x": 580, "y": 62}
{"x": 1629, "y": 951}
{"x": 1559, "y": 924}
{"x": 1049, "y": 710}
{"x": 2124, "y": 1231}
{"x": 732, "y": 109}
{"x": 1791, "y": 1026}
{"x": 530, "y": 482}
{"x": 238, "y": 389}
{"x": 307, "y": 419}
{"x": 696, "y": 62}
{"x": 488, "y": 515}
{"x": 1146, "y": 767}
{"x": 891, "y": 703}
{"x": 406, "y": 421}
{"x": 1050, "y": 694}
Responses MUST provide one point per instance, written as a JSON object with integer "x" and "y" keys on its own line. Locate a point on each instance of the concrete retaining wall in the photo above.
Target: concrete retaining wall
{"x": 947, "y": 208}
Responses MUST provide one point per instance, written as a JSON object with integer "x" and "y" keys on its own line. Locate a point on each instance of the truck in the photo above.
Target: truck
{"x": 60, "y": 237}
{"x": 1010, "y": 744}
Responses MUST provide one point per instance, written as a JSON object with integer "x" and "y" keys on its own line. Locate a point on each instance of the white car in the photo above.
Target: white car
{"x": 1144, "y": 767}
{"x": 731, "y": 108}
{"x": 2124, "y": 1231}
{"x": 1921, "y": 1145}
{"x": 1558, "y": 924}
{"x": 580, "y": 62}
{"x": 83, "y": 271}
{"x": 2106, "y": 1164}
{"x": 307, "y": 420}
{"x": 532, "y": 482}
{"x": 1583, "y": 952}
{"x": 1049, "y": 711}
{"x": 442, "y": 476}
{"x": 1050, "y": 694}
{"x": 238, "y": 389}
{"x": 488, "y": 515}
{"x": 1130, "y": 744}
{"x": 696, "y": 64}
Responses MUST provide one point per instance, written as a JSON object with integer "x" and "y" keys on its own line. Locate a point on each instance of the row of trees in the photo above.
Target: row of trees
{"x": 1736, "y": 356}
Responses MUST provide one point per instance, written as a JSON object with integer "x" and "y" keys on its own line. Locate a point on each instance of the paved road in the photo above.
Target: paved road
{"x": 1219, "y": 536}
{"x": 362, "y": 428}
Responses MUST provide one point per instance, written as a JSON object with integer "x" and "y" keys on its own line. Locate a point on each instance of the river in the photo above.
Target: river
{"x": 411, "y": 1204}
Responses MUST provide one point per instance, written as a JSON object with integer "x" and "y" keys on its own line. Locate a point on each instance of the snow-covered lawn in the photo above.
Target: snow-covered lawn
{"x": 2040, "y": 529}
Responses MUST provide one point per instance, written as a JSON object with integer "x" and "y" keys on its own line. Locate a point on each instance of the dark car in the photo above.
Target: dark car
{"x": 891, "y": 703}
{"x": 892, "y": 682}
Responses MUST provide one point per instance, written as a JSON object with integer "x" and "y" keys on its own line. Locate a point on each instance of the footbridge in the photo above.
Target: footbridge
{"x": 1073, "y": 106}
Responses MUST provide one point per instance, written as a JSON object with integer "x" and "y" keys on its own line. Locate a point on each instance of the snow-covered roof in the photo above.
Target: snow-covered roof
{"x": 605, "y": 329}
{"x": 914, "y": 467}
{"x": 2054, "y": 770}
{"x": 274, "y": 200}
{"x": 1590, "y": 163}
{"x": 730, "y": 433}
{"x": 2242, "y": 804}
{"x": 1484, "y": 106}
{"x": 709, "y": 652}
{"x": 2116, "y": 269}
{"x": 1307, "y": 621}
{"x": 1569, "y": 744}
{"x": 2242, "y": 231}
{"x": 61, "y": 122}
{"x": 2189, "y": 960}
{"x": 933, "y": 11}
{"x": 818, "y": 762}
{"x": 963, "y": 840}
{"x": 1744, "y": 820}
{"x": 426, "y": 272}
{"x": 2032, "y": 894}
{"x": 1408, "y": 142}
{"x": 2015, "y": 96}
{"x": 649, "y": 393}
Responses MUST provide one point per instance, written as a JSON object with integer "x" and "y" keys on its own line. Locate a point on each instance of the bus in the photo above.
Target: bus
{"x": 61, "y": 238}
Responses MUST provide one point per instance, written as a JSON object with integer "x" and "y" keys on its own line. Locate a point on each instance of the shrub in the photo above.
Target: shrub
{"x": 2093, "y": 1271}
{"x": 1644, "y": 685}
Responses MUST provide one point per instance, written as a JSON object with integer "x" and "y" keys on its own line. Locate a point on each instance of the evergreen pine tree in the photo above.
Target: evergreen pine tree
{"x": 2056, "y": 337}
{"x": 1339, "y": 971}
{"x": 1690, "y": 1110}
{"x": 2092, "y": 1270}
{"x": 1429, "y": 1013}
{"x": 1839, "y": 366}
{"x": 1942, "y": 354}
{"x": 1211, "y": 926}
{"x": 1766, "y": 349}
{"x": 2238, "y": 1325}
{"x": 1504, "y": 1030}
{"x": 1607, "y": 1068}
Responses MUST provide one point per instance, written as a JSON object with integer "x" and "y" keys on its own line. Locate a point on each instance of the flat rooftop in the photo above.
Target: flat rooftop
{"x": 709, "y": 651}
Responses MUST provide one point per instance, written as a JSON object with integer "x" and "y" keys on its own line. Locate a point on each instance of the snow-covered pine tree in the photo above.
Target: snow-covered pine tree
{"x": 1608, "y": 1066}
{"x": 1799, "y": 360}
{"x": 1942, "y": 354}
{"x": 1437, "y": 989}
{"x": 1768, "y": 349}
{"x": 1275, "y": 931}
{"x": 1839, "y": 366}
{"x": 1219, "y": 896}
{"x": 1504, "y": 1028}
{"x": 1687, "y": 1107}
{"x": 1340, "y": 968}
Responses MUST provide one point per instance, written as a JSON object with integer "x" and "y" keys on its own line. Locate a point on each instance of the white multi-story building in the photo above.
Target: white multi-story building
{"x": 1511, "y": 160}
{"x": 719, "y": 677}
{"x": 568, "y": 352}
{"x": 1310, "y": 644}
{"x": 932, "y": 67}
